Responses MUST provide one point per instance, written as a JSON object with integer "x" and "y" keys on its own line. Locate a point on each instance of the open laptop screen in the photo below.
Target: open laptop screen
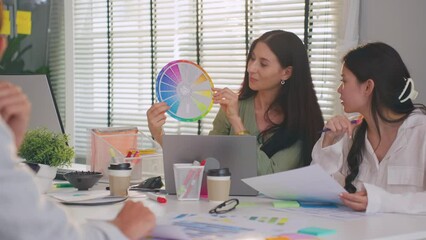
{"x": 44, "y": 112}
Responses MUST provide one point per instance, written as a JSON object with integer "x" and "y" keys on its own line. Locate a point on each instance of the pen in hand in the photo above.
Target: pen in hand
{"x": 355, "y": 121}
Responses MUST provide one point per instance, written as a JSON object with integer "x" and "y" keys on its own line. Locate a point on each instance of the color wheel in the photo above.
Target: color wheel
{"x": 186, "y": 88}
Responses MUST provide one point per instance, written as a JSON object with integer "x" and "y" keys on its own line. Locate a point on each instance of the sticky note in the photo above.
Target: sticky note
{"x": 246, "y": 204}
{"x": 317, "y": 204}
{"x": 278, "y": 238}
{"x": 5, "y": 30}
{"x": 285, "y": 204}
{"x": 317, "y": 231}
{"x": 297, "y": 236}
{"x": 23, "y": 22}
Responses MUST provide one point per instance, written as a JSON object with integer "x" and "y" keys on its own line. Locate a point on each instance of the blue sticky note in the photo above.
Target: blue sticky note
{"x": 307, "y": 204}
{"x": 317, "y": 231}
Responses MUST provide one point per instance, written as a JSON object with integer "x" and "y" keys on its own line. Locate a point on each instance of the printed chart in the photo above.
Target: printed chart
{"x": 186, "y": 88}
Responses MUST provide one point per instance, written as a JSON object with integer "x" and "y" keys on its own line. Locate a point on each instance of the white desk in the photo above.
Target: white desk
{"x": 380, "y": 226}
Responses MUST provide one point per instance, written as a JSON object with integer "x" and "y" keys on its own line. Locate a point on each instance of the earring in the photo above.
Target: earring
{"x": 282, "y": 82}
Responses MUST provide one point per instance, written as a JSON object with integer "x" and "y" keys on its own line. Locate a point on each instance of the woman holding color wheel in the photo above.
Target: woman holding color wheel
{"x": 276, "y": 103}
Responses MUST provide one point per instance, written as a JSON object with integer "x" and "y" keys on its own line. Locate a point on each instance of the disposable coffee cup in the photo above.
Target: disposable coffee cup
{"x": 218, "y": 184}
{"x": 119, "y": 179}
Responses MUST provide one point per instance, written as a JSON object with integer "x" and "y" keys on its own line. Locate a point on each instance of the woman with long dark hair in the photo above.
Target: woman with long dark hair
{"x": 382, "y": 160}
{"x": 277, "y": 103}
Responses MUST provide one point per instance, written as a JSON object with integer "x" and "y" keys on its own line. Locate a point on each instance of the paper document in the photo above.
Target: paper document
{"x": 184, "y": 226}
{"x": 309, "y": 183}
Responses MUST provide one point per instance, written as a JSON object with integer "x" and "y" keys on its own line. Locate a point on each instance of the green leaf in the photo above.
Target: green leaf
{"x": 43, "y": 146}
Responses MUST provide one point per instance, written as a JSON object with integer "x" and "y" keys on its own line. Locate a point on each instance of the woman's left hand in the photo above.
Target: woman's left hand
{"x": 228, "y": 100}
{"x": 357, "y": 201}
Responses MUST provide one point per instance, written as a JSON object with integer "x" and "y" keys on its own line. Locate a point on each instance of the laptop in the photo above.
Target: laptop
{"x": 44, "y": 112}
{"x": 238, "y": 153}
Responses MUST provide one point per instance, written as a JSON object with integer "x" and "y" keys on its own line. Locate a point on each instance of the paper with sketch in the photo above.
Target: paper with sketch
{"x": 309, "y": 183}
{"x": 224, "y": 226}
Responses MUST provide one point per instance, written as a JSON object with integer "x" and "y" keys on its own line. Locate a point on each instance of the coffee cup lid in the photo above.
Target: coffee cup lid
{"x": 219, "y": 172}
{"x": 120, "y": 166}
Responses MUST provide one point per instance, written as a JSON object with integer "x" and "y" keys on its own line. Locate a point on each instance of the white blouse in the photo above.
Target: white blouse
{"x": 27, "y": 214}
{"x": 398, "y": 182}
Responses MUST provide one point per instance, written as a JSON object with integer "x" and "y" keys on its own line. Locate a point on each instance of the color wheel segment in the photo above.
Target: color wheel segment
{"x": 186, "y": 88}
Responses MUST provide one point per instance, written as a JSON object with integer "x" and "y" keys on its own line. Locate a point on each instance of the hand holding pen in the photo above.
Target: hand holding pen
{"x": 336, "y": 127}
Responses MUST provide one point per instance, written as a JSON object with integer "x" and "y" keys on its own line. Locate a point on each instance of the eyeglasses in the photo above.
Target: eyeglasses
{"x": 225, "y": 207}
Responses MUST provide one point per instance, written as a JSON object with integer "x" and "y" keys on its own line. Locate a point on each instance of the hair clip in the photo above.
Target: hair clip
{"x": 413, "y": 93}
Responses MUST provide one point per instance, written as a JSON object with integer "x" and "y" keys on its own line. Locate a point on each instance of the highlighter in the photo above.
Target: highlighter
{"x": 156, "y": 197}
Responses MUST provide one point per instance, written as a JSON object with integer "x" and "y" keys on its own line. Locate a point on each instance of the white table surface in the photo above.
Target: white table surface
{"x": 376, "y": 226}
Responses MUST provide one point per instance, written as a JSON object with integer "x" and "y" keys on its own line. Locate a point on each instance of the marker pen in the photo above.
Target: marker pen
{"x": 63, "y": 185}
{"x": 155, "y": 197}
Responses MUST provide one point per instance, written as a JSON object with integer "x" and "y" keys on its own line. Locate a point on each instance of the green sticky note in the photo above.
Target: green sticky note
{"x": 317, "y": 231}
{"x": 286, "y": 204}
{"x": 246, "y": 204}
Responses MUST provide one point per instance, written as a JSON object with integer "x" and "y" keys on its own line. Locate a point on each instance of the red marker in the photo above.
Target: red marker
{"x": 157, "y": 198}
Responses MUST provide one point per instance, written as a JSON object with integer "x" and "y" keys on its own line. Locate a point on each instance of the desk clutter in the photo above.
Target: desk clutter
{"x": 82, "y": 180}
{"x": 116, "y": 145}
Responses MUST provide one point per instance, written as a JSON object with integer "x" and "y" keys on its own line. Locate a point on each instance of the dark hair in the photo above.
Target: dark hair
{"x": 382, "y": 64}
{"x": 296, "y": 99}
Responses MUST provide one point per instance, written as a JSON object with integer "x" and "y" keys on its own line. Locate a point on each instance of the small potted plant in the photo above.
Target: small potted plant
{"x": 45, "y": 151}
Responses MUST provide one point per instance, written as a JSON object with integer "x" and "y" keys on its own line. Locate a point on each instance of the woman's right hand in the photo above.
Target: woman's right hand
{"x": 135, "y": 220}
{"x": 15, "y": 109}
{"x": 338, "y": 126}
{"x": 156, "y": 116}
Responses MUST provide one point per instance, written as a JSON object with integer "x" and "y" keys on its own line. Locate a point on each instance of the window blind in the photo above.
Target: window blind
{"x": 121, "y": 45}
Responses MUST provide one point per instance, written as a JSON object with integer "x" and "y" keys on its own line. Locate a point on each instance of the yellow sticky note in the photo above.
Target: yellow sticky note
{"x": 23, "y": 22}
{"x": 5, "y": 30}
{"x": 278, "y": 238}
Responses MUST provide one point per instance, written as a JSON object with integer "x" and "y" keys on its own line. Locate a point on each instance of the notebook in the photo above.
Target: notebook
{"x": 238, "y": 153}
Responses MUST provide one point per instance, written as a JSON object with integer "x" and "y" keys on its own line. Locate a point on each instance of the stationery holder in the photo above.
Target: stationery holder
{"x": 120, "y": 145}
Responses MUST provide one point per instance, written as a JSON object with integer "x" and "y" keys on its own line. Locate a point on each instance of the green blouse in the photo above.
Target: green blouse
{"x": 283, "y": 160}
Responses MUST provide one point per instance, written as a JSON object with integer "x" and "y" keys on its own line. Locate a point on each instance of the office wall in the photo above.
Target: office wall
{"x": 401, "y": 24}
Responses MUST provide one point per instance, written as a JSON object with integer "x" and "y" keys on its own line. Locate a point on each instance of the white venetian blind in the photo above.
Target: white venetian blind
{"x": 121, "y": 47}
{"x": 223, "y": 47}
{"x": 323, "y": 56}
{"x": 90, "y": 70}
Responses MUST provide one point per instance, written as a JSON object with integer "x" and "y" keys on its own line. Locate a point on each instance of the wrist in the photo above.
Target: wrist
{"x": 242, "y": 132}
